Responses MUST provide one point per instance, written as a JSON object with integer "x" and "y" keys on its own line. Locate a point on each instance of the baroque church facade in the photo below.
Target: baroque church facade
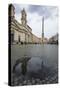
{"x": 20, "y": 32}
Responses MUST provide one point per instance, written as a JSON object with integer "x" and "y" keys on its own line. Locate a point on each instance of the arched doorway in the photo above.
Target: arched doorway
{"x": 12, "y": 37}
{"x": 19, "y": 39}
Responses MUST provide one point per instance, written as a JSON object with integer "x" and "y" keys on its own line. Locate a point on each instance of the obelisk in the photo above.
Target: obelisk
{"x": 43, "y": 30}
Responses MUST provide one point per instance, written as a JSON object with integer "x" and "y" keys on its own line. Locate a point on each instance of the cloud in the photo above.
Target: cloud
{"x": 34, "y": 18}
{"x": 51, "y": 27}
{"x": 45, "y": 11}
{"x": 34, "y": 21}
{"x": 17, "y": 8}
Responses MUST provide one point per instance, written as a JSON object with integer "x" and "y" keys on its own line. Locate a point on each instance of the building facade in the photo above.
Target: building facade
{"x": 36, "y": 40}
{"x": 53, "y": 39}
{"x": 20, "y": 32}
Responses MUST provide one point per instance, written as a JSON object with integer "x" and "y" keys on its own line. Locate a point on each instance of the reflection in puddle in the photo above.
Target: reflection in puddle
{"x": 32, "y": 70}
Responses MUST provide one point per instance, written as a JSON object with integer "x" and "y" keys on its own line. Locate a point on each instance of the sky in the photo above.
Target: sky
{"x": 35, "y": 13}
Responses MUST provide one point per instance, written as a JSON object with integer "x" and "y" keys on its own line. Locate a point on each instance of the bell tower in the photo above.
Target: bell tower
{"x": 23, "y": 17}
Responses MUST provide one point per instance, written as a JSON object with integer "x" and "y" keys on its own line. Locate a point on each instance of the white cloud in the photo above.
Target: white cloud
{"x": 18, "y": 17}
{"x": 34, "y": 20}
{"x": 51, "y": 26}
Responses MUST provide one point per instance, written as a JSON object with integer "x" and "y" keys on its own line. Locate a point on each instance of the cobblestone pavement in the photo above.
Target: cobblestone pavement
{"x": 33, "y": 81}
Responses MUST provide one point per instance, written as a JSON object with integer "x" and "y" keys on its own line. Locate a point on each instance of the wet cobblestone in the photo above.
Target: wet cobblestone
{"x": 35, "y": 81}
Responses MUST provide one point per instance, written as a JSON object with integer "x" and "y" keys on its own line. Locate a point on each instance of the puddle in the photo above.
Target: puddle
{"x": 28, "y": 68}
